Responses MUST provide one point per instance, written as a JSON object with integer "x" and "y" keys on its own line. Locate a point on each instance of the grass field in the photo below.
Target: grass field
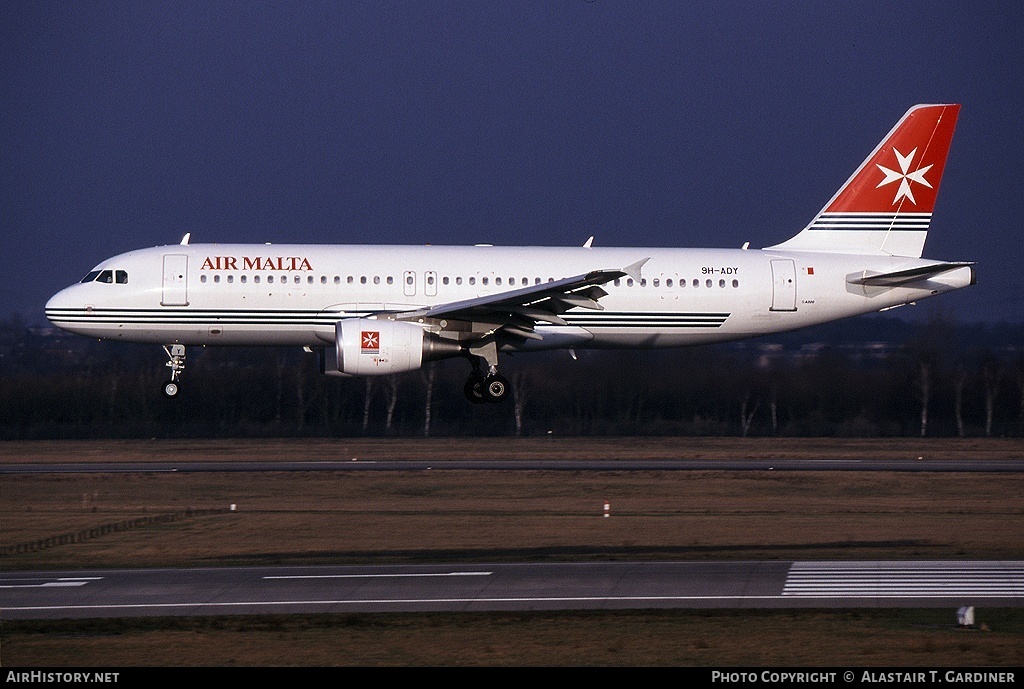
{"x": 445, "y": 516}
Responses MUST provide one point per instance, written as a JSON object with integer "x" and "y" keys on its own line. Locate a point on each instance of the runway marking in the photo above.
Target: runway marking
{"x": 383, "y": 576}
{"x": 423, "y": 601}
{"x": 48, "y": 582}
{"x": 904, "y": 579}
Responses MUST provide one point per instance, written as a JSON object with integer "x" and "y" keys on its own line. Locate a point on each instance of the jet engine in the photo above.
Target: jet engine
{"x": 368, "y": 347}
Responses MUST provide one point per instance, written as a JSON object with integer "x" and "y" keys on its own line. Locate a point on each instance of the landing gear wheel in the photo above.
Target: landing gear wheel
{"x": 497, "y": 388}
{"x": 171, "y": 389}
{"x": 474, "y": 389}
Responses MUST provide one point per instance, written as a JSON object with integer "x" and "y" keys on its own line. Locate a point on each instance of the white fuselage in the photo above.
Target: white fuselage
{"x": 256, "y": 294}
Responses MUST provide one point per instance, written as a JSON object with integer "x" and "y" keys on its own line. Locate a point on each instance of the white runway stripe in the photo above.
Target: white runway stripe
{"x": 885, "y": 579}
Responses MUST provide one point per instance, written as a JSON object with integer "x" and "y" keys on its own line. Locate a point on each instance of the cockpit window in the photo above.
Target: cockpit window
{"x": 107, "y": 276}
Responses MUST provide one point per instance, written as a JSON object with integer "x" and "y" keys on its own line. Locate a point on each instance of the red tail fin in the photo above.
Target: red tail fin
{"x": 886, "y": 206}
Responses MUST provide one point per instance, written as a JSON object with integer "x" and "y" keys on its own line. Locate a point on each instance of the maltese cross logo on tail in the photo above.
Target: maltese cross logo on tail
{"x": 903, "y": 176}
{"x": 370, "y": 342}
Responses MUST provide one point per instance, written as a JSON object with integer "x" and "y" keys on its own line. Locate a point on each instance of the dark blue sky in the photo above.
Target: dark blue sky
{"x": 126, "y": 124}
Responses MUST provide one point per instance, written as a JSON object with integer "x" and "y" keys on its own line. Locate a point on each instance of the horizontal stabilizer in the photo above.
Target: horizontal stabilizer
{"x": 902, "y": 277}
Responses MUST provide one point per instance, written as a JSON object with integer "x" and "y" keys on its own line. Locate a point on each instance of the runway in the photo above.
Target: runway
{"x": 505, "y": 587}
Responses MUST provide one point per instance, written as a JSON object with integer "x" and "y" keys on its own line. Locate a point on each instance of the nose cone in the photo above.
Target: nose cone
{"x": 62, "y": 307}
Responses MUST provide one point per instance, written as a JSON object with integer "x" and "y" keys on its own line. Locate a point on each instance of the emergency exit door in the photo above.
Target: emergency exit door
{"x": 783, "y": 285}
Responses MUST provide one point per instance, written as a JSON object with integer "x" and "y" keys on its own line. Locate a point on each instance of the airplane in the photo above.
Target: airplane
{"x": 382, "y": 310}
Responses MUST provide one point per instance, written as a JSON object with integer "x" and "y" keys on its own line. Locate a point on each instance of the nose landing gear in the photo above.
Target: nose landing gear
{"x": 176, "y": 356}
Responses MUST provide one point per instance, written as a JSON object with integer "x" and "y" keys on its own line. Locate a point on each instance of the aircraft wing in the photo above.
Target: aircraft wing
{"x": 517, "y": 311}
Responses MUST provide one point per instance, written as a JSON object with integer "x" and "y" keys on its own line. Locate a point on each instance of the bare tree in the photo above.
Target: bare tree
{"x": 393, "y": 382}
{"x": 991, "y": 374}
{"x": 961, "y": 381}
{"x": 428, "y": 375}
{"x": 366, "y": 403}
{"x": 520, "y": 383}
{"x": 924, "y": 389}
{"x": 745, "y": 418}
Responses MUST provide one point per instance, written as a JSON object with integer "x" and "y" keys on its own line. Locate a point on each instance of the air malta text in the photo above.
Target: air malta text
{"x": 256, "y": 263}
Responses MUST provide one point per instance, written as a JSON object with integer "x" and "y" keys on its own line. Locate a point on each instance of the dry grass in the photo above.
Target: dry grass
{"x": 319, "y": 449}
{"x": 857, "y": 638}
{"x": 525, "y": 515}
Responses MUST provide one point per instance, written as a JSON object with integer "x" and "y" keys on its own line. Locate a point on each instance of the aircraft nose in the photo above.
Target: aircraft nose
{"x": 61, "y": 305}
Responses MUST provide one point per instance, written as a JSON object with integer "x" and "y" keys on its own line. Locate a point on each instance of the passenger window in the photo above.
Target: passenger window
{"x": 244, "y": 279}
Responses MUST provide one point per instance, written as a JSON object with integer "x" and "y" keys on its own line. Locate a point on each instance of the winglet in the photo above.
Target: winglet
{"x": 633, "y": 269}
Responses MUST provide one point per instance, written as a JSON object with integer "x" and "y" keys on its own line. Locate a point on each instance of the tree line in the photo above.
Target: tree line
{"x": 871, "y": 376}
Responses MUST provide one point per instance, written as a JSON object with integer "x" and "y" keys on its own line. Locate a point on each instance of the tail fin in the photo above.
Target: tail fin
{"x": 886, "y": 206}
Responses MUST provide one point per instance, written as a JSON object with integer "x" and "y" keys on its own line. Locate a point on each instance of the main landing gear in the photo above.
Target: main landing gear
{"x": 176, "y": 355}
{"x": 492, "y": 387}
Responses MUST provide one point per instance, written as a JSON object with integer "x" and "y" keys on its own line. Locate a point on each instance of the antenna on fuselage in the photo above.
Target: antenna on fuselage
{"x": 184, "y": 240}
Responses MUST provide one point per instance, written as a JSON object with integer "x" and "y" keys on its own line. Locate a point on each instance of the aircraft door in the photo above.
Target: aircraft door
{"x": 175, "y": 283}
{"x": 409, "y": 283}
{"x": 783, "y": 285}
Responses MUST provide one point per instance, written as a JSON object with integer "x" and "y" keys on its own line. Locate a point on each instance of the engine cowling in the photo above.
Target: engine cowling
{"x": 368, "y": 347}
